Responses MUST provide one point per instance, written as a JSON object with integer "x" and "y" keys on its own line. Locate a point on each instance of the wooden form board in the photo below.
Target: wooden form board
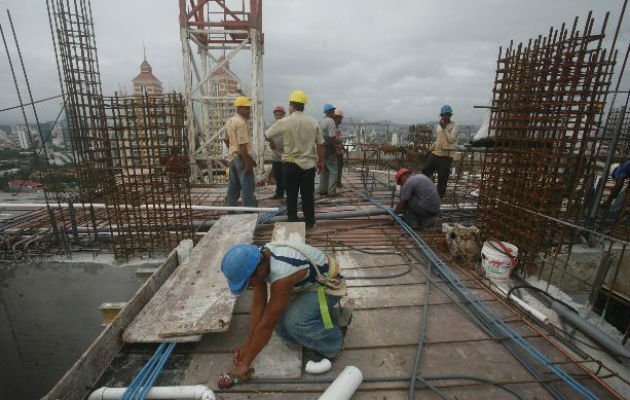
{"x": 195, "y": 299}
{"x": 288, "y": 232}
{"x": 281, "y": 359}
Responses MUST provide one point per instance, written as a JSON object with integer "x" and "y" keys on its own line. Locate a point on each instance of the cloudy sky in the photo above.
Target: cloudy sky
{"x": 398, "y": 60}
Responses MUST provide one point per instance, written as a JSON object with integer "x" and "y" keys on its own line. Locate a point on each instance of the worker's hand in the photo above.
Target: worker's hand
{"x": 243, "y": 372}
{"x": 320, "y": 166}
{"x": 272, "y": 144}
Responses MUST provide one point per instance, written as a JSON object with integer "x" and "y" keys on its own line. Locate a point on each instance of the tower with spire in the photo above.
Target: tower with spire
{"x": 146, "y": 82}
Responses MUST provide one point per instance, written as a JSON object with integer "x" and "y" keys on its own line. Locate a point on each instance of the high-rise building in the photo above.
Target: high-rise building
{"x": 145, "y": 81}
{"x": 23, "y": 134}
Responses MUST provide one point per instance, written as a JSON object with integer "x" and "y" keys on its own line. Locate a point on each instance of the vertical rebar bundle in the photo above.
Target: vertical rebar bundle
{"x": 547, "y": 103}
{"x": 150, "y": 203}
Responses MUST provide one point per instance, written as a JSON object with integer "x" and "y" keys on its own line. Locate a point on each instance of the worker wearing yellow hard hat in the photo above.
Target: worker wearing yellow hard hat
{"x": 241, "y": 179}
{"x": 303, "y": 155}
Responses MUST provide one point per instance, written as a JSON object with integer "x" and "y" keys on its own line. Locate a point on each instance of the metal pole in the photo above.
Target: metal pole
{"x": 257, "y": 98}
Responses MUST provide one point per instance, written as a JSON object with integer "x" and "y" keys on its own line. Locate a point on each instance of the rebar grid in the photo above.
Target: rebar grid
{"x": 547, "y": 102}
{"x": 150, "y": 202}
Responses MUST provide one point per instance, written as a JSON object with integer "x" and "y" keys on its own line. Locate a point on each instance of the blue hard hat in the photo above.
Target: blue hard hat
{"x": 328, "y": 108}
{"x": 238, "y": 265}
{"x": 446, "y": 109}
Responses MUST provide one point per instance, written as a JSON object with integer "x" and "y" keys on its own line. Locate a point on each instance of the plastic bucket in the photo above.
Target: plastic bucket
{"x": 498, "y": 258}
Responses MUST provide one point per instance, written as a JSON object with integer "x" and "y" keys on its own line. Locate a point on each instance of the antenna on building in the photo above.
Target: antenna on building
{"x": 144, "y": 51}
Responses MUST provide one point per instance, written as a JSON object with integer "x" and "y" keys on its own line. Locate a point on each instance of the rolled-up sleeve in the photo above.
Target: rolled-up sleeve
{"x": 275, "y": 129}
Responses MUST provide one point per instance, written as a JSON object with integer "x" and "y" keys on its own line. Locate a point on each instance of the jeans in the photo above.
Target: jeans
{"x": 278, "y": 174}
{"x": 339, "y": 167}
{"x": 302, "y": 323}
{"x": 303, "y": 181}
{"x": 241, "y": 184}
{"x": 443, "y": 167}
{"x": 328, "y": 177}
{"x": 417, "y": 218}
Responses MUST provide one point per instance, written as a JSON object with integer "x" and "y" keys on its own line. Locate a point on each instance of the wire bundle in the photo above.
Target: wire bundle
{"x": 486, "y": 317}
{"x": 142, "y": 383}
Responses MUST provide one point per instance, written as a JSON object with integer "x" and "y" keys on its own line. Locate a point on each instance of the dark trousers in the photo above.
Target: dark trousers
{"x": 339, "y": 167}
{"x": 300, "y": 180}
{"x": 443, "y": 167}
{"x": 278, "y": 174}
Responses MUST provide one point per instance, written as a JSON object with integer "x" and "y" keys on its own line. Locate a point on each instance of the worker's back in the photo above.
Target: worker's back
{"x": 421, "y": 192}
{"x": 301, "y": 135}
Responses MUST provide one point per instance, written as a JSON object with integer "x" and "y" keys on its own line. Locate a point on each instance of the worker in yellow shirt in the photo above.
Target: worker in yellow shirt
{"x": 241, "y": 180}
{"x": 442, "y": 150}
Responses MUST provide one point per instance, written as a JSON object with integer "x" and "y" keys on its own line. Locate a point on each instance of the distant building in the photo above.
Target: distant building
{"x": 145, "y": 81}
{"x": 29, "y": 186}
{"x": 24, "y": 136}
{"x": 223, "y": 82}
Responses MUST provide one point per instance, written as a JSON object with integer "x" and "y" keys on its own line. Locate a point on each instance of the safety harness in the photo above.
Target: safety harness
{"x": 330, "y": 282}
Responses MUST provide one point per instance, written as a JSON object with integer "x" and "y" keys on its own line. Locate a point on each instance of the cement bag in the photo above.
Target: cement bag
{"x": 463, "y": 241}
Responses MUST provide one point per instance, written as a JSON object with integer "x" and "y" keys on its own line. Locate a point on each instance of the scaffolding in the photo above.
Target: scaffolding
{"x": 212, "y": 33}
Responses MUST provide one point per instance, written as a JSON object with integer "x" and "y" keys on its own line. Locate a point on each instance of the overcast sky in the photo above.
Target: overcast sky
{"x": 396, "y": 60}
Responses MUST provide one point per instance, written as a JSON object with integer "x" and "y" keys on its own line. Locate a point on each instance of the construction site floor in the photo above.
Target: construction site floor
{"x": 388, "y": 287}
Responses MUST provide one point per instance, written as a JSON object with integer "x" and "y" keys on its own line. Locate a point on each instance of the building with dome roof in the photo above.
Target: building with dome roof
{"x": 145, "y": 81}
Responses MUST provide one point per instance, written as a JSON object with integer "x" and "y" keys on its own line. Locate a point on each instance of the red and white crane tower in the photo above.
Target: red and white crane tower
{"x": 212, "y": 33}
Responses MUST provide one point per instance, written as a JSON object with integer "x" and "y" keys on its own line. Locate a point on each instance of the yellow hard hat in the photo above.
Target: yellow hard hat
{"x": 298, "y": 96}
{"x": 242, "y": 101}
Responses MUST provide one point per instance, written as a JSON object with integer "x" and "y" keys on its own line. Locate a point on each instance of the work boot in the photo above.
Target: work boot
{"x": 276, "y": 197}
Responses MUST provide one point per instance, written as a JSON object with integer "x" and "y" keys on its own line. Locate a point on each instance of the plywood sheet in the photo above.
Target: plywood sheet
{"x": 288, "y": 232}
{"x": 195, "y": 299}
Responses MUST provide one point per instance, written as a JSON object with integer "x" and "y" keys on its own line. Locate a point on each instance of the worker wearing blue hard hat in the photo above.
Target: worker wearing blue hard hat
{"x": 328, "y": 176}
{"x": 305, "y": 287}
{"x": 443, "y": 150}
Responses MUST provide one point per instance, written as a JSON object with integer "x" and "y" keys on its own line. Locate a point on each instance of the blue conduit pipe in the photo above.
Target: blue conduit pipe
{"x": 144, "y": 380}
{"x": 488, "y": 317}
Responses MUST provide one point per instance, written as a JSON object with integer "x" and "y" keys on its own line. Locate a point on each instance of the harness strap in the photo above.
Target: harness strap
{"x": 323, "y": 308}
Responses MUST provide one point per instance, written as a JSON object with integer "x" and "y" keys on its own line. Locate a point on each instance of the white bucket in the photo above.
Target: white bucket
{"x": 496, "y": 261}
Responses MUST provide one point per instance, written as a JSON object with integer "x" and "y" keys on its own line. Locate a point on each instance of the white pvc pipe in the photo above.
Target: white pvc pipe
{"x": 344, "y": 386}
{"x": 142, "y": 206}
{"x": 198, "y": 392}
{"x": 524, "y": 305}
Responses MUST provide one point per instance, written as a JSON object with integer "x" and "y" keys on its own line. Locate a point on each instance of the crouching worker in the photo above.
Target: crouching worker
{"x": 419, "y": 199}
{"x": 304, "y": 288}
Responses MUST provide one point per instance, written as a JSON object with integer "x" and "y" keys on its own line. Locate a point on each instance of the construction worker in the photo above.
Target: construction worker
{"x": 298, "y": 308}
{"x": 303, "y": 155}
{"x": 276, "y": 156}
{"x": 241, "y": 181}
{"x": 328, "y": 177}
{"x": 419, "y": 199}
{"x": 340, "y": 149}
{"x": 442, "y": 150}
{"x": 616, "y": 199}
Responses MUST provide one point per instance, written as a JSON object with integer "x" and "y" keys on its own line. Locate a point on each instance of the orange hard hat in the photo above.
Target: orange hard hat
{"x": 338, "y": 113}
{"x": 279, "y": 108}
{"x": 400, "y": 174}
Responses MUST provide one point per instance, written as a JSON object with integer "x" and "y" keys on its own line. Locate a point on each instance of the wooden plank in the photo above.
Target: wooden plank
{"x": 288, "y": 232}
{"x": 279, "y": 358}
{"x": 195, "y": 299}
{"x": 76, "y": 384}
